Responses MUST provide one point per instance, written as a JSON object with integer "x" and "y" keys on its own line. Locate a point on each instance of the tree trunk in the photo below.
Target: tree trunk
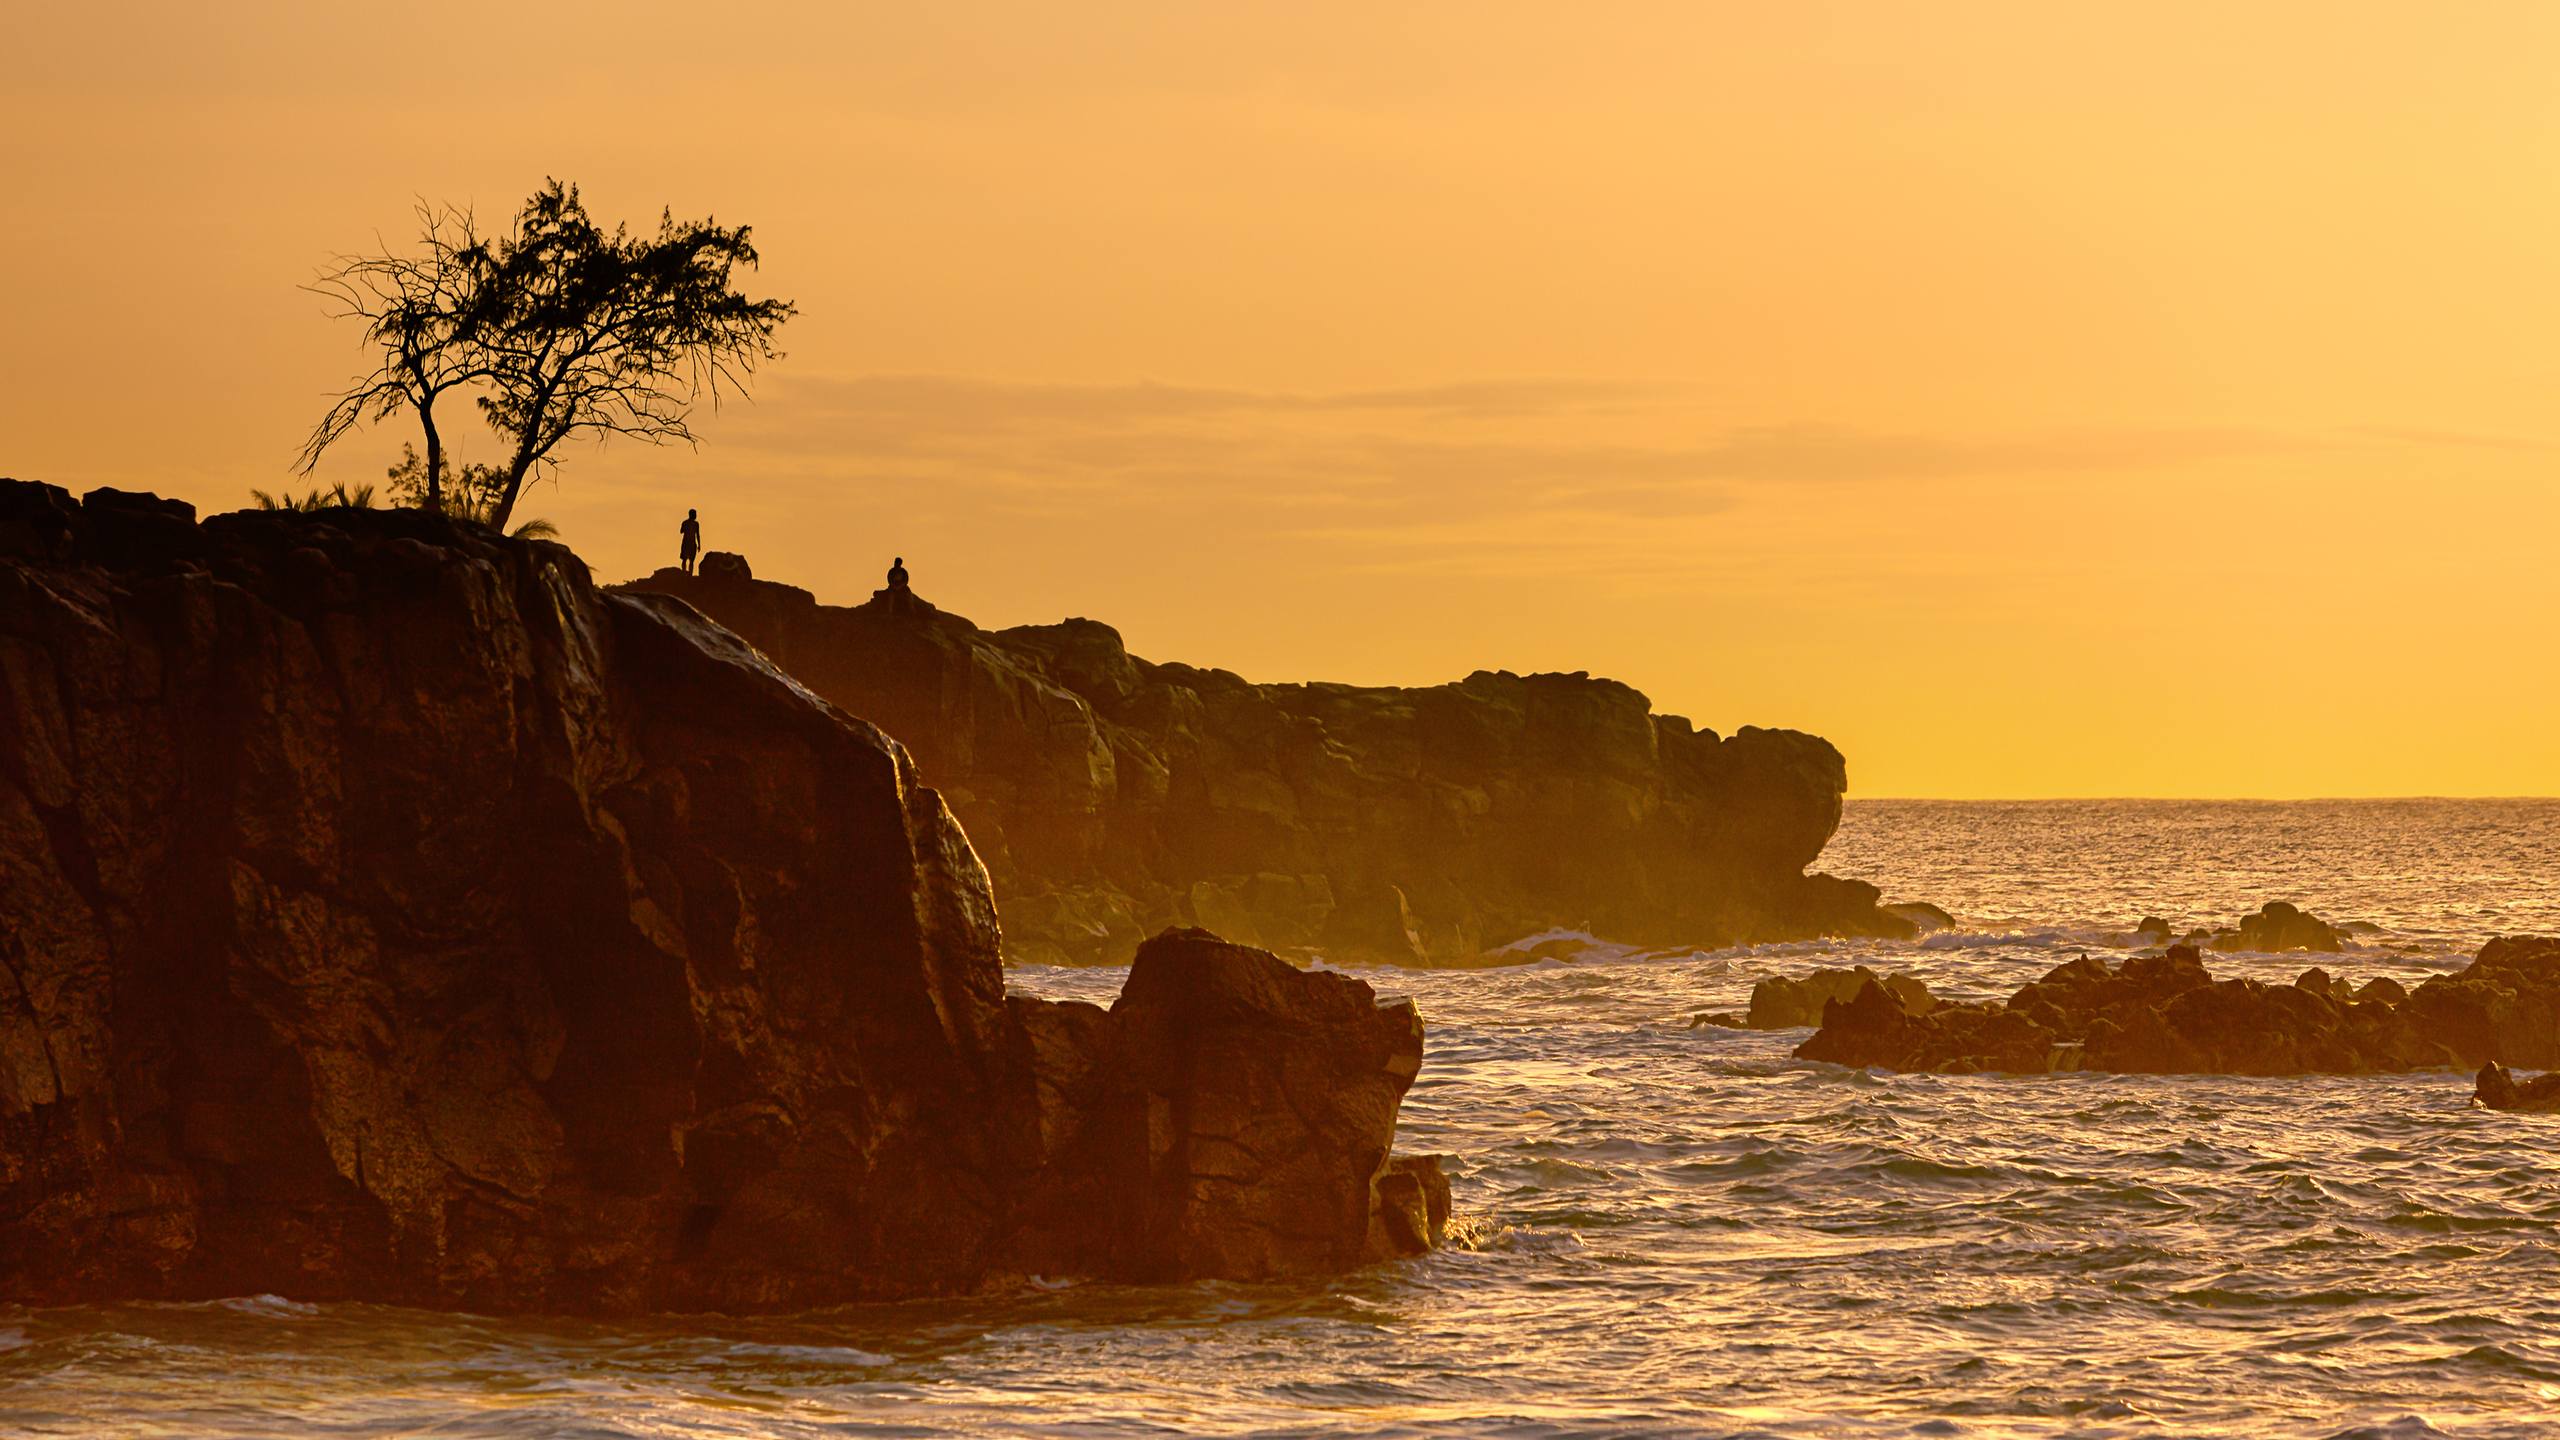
{"x": 435, "y": 456}
{"x": 506, "y": 506}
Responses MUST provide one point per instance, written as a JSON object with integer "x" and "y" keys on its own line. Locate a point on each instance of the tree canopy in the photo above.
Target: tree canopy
{"x": 559, "y": 328}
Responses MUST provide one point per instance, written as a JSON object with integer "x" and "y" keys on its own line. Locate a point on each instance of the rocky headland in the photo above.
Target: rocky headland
{"x": 1111, "y": 797}
{"x": 2165, "y": 1014}
{"x": 388, "y": 913}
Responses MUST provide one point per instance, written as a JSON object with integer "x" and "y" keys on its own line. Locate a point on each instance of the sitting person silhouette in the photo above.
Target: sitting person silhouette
{"x": 689, "y": 543}
{"x": 898, "y": 573}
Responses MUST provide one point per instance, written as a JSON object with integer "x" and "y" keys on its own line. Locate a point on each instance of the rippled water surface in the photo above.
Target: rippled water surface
{"x": 1675, "y": 1231}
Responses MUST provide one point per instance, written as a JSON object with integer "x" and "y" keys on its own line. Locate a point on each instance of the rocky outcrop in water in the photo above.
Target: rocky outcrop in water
{"x": 2164, "y": 1014}
{"x": 1791, "y": 1002}
{"x": 2278, "y": 927}
{"x": 387, "y": 913}
{"x": 1111, "y": 797}
{"x": 1228, "y": 1116}
{"x": 2497, "y": 1089}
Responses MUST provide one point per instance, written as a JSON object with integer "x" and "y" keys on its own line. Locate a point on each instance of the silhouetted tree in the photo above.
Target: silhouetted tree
{"x": 560, "y": 327}
{"x": 614, "y": 334}
{"x": 428, "y": 312}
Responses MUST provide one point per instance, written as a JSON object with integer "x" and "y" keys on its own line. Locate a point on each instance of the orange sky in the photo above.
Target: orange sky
{"x": 2036, "y": 399}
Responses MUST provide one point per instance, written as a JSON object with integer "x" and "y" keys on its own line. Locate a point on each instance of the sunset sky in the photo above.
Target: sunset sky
{"x": 2036, "y": 399}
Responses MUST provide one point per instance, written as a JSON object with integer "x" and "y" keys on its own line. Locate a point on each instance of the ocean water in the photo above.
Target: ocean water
{"x": 1672, "y": 1230}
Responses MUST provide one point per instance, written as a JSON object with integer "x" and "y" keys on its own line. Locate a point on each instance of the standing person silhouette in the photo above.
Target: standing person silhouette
{"x": 898, "y": 572}
{"x": 690, "y": 542}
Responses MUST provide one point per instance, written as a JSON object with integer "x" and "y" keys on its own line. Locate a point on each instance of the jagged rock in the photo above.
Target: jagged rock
{"x": 2278, "y": 927}
{"x": 387, "y": 913}
{"x": 2163, "y": 1014}
{"x": 1177, "y": 794}
{"x": 1875, "y": 1028}
{"x": 2503, "y": 1006}
{"x": 2497, "y": 1089}
{"x": 1784, "y": 1002}
{"x": 1231, "y": 1115}
{"x": 1412, "y": 1214}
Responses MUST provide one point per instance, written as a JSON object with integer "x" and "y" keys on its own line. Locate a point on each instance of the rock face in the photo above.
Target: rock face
{"x": 2163, "y": 1014}
{"x": 1111, "y": 797}
{"x": 1229, "y": 1115}
{"x": 387, "y": 913}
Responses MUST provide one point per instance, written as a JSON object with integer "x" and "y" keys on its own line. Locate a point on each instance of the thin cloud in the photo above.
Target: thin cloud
{"x": 1577, "y": 472}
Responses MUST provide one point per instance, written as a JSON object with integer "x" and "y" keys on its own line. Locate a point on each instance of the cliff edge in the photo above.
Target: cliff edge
{"x": 1111, "y": 797}
{"x": 387, "y": 913}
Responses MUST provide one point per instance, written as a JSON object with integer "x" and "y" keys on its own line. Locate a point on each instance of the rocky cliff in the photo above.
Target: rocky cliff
{"x": 388, "y": 913}
{"x": 1111, "y": 797}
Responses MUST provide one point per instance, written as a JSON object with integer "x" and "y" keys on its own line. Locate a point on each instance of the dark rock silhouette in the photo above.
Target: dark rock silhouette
{"x": 2164, "y": 1014}
{"x": 2497, "y": 1089}
{"x": 1111, "y": 797}
{"x": 1229, "y": 1115}
{"x": 387, "y": 913}
{"x": 1791, "y": 1002}
{"x": 2278, "y": 927}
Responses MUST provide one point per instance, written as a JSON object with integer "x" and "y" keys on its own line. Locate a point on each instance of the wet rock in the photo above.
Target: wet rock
{"x": 1875, "y": 1028}
{"x": 2278, "y": 927}
{"x": 1784, "y": 1002}
{"x": 1231, "y": 1115}
{"x": 388, "y": 913}
{"x": 2164, "y": 1014}
{"x": 2498, "y": 1089}
{"x": 2503, "y": 1006}
{"x": 1923, "y": 916}
{"x": 1412, "y": 1215}
{"x": 1368, "y": 824}
{"x": 2152, "y": 931}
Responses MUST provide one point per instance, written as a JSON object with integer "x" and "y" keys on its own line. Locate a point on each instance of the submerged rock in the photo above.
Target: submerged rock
{"x": 2164, "y": 1014}
{"x": 387, "y": 913}
{"x": 1923, "y": 916}
{"x": 1112, "y": 797}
